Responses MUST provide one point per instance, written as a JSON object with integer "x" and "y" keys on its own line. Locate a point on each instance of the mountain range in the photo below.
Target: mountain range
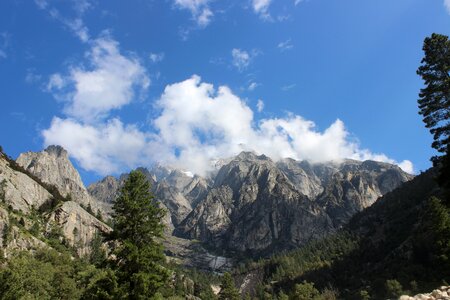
{"x": 250, "y": 205}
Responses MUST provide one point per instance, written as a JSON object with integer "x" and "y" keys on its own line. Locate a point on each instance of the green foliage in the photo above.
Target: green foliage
{"x": 99, "y": 215}
{"x": 432, "y": 236}
{"x": 2, "y": 190}
{"x": 101, "y": 284}
{"x": 364, "y": 295}
{"x": 46, "y": 275}
{"x": 89, "y": 209}
{"x": 282, "y": 296}
{"x": 375, "y": 247}
{"x": 434, "y": 101}
{"x": 26, "y": 277}
{"x": 305, "y": 291}
{"x": 228, "y": 290}
{"x": 393, "y": 288}
{"x": 97, "y": 255}
{"x": 137, "y": 225}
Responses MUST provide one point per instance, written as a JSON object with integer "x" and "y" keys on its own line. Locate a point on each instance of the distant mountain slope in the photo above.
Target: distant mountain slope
{"x": 259, "y": 206}
{"x": 255, "y": 205}
{"x": 404, "y": 236}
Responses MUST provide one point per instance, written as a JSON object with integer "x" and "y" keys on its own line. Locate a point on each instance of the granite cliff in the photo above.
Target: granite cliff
{"x": 252, "y": 204}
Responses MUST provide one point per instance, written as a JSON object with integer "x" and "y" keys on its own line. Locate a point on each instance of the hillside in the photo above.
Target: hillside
{"x": 402, "y": 239}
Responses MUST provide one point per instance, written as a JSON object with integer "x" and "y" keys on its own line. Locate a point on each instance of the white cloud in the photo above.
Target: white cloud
{"x": 196, "y": 124}
{"x": 261, "y": 7}
{"x": 286, "y": 45}
{"x": 111, "y": 81}
{"x": 296, "y": 2}
{"x": 447, "y": 5}
{"x": 199, "y": 9}
{"x": 406, "y": 166}
{"x": 260, "y": 105}
{"x": 241, "y": 59}
{"x": 78, "y": 27}
{"x": 56, "y": 83}
{"x": 105, "y": 148}
{"x": 205, "y": 17}
{"x": 75, "y": 24}
{"x": 252, "y": 86}
{"x": 156, "y": 57}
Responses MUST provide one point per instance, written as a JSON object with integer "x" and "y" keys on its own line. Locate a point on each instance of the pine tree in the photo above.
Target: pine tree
{"x": 136, "y": 227}
{"x": 305, "y": 291}
{"x": 98, "y": 254}
{"x": 434, "y": 101}
{"x": 228, "y": 290}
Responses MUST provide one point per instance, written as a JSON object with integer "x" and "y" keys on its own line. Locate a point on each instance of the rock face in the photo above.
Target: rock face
{"x": 356, "y": 185}
{"x": 441, "y": 293}
{"x": 105, "y": 190}
{"x": 175, "y": 190}
{"x": 257, "y": 205}
{"x": 78, "y": 226}
{"x": 20, "y": 191}
{"x": 53, "y": 166}
{"x": 253, "y": 204}
{"x": 22, "y": 197}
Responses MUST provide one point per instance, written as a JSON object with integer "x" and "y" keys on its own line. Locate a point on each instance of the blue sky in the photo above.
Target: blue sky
{"x": 126, "y": 83}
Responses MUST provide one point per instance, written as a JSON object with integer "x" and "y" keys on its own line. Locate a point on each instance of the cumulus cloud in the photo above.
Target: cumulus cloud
{"x": 447, "y": 5}
{"x": 199, "y": 123}
{"x": 104, "y": 148}
{"x": 110, "y": 81}
{"x": 261, "y": 7}
{"x": 199, "y": 9}
{"x": 196, "y": 124}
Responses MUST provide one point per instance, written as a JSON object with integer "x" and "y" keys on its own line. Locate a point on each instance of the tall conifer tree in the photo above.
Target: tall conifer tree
{"x": 137, "y": 225}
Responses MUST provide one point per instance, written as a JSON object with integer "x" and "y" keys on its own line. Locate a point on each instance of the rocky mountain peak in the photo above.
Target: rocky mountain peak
{"x": 53, "y": 166}
{"x": 57, "y": 151}
{"x": 256, "y": 204}
{"x": 251, "y": 156}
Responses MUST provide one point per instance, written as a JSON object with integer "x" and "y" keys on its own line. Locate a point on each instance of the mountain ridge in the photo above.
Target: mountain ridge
{"x": 296, "y": 200}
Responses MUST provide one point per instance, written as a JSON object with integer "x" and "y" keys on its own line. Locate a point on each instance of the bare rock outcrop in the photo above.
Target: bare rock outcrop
{"x": 442, "y": 293}
{"x": 78, "y": 226}
{"x": 53, "y": 166}
{"x": 252, "y": 203}
{"x": 258, "y": 205}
